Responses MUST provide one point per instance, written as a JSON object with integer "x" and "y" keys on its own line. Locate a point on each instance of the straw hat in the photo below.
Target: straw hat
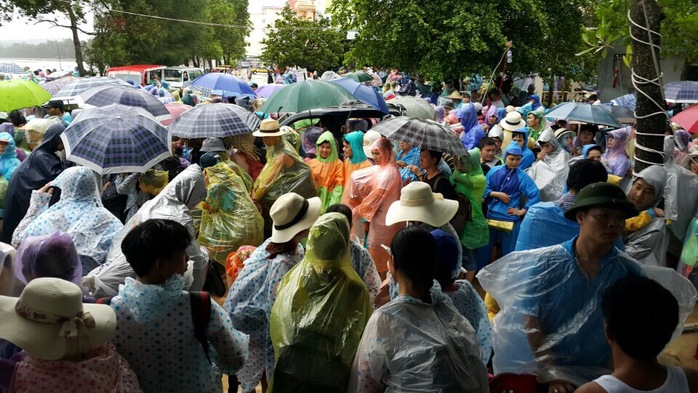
{"x": 269, "y": 127}
{"x": 49, "y": 320}
{"x": 291, "y": 214}
{"x": 512, "y": 122}
{"x": 455, "y": 95}
{"x": 418, "y": 203}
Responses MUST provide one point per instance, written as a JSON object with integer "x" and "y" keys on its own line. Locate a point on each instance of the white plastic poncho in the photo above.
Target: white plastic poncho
{"x": 183, "y": 193}
{"x": 545, "y": 285}
{"x": 550, "y": 173}
{"x": 680, "y": 200}
{"x": 409, "y": 345}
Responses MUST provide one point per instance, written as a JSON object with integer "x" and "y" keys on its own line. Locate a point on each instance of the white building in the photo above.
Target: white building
{"x": 262, "y": 13}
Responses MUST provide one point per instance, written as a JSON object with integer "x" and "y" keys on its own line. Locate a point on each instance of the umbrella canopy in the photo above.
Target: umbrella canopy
{"x": 629, "y": 101}
{"x": 414, "y": 107}
{"x": 114, "y": 94}
{"x": 12, "y": 68}
{"x": 266, "y": 91}
{"x": 55, "y": 86}
{"x": 175, "y": 110}
{"x": 622, "y": 113}
{"x": 306, "y": 95}
{"x": 688, "y": 119}
{"x": 20, "y": 93}
{"x": 115, "y": 139}
{"x": 214, "y": 121}
{"x": 359, "y": 76}
{"x": 585, "y": 113}
{"x": 683, "y": 92}
{"x": 226, "y": 85}
{"x": 73, "y": 89}
{"x": 363, "y": 93}
{"x": 329, "y": 75}
{"x": 427, "y": 134}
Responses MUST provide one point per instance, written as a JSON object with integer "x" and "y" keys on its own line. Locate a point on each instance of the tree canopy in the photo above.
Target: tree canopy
{"x": 313, "y": 44}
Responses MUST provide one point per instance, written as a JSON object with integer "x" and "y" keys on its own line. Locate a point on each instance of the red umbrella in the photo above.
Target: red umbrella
{"x": 688, "y": 119}
{"x": 175, "y": 110}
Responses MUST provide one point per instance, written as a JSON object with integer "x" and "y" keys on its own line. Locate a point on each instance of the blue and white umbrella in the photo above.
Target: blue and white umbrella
{"x": 223, "y": 84}
{"x": 683, "y": 92}
{"x": 585, "y": 113}
{"x": 363, "y": 93}
{"x": 12, "y": 68}
{"x": 115, "y": 94}
{"x": 214, "y": 121}
{"x": 116, "y": 139}
{"x": 629, "y": 101}
{"x": 73, "y": 89}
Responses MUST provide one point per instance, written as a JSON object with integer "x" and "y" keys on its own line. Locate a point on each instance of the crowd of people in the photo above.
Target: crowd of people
{"x": 305, "y": 259}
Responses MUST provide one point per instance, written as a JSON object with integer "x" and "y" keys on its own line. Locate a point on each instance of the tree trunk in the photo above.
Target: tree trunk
{"x": 650, "y": 131}
{"x": 76, "y": 41}
{"x": 551, "y": 91}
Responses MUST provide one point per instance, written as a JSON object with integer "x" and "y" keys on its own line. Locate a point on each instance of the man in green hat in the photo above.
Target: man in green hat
{"x": 550, "y": 323}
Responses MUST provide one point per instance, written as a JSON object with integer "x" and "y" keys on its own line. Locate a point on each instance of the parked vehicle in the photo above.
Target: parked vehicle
{"x": 180, "y": 77}
{"x": 139, "y": 74}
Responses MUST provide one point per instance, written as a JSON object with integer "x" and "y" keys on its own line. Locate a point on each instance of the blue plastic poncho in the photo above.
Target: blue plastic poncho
{"x": 472, "y": 131}
{"x": 409, "y": 158}
{"x": 8, "y": 160}
{"x": 513, "y": 182}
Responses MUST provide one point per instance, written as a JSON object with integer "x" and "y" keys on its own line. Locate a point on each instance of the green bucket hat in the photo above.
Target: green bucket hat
{"x": 602, "y": 195}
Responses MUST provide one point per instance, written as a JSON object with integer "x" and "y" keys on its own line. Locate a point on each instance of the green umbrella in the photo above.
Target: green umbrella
{"x": 306, "y": 95}
{"x": 21, "y": 93}
{"x": 359, "y": 76}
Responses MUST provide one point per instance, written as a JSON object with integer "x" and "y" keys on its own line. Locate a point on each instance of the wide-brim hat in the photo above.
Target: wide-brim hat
{"x": 602, "y": 195}
{"x": 418, "y": 203}
{"x": 512, "y": 122}
{"x": 455, "y": 95}
{"x": 291, "y": 214}
{"x": 50, "y": 321}
{"x": 369, "y": 138}
{"x": 212, "y": 145}
{"x": 269, "y": 127}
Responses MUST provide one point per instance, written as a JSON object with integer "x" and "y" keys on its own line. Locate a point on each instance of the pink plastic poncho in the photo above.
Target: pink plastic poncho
{"x": 369, "y": 193}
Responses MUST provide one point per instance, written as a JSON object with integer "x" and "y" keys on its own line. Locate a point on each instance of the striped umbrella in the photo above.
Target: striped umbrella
{"x": 116, "y": 139}
{"x": 71, "y": 90}
{"x": 214, "y": 121}
{"x": 115, "y": 94}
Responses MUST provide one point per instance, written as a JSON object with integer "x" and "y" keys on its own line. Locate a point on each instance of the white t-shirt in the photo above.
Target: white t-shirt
{"x": 676, "y": 382}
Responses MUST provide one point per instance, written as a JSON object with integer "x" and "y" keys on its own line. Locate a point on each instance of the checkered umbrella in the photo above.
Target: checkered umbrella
{"x": 12, "y": 68}
{"x": 427, "y": 134}
{"x": 71, "y": 90}
{"x": 55, "y": 86}
{"x": 114, "y": 94}
{"x": 684, "y": 92}
{"x": 115, "y": 139}
{"x": 214, "y": 121}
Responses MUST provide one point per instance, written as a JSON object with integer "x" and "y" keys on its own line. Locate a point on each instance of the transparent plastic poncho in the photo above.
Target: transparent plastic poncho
{"x": 544, "y": 297}
{"x": 229, "y": 217}
{"x": 550, "y": 173}
{"x": 319, "y": 314}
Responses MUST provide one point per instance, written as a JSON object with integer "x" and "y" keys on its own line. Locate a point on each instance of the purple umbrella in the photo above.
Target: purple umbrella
{"x": 266, "y": 91}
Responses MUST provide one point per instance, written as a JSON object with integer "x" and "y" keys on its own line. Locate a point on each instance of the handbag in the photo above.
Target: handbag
{"x": 506, "y": 226}
{"x": 214, "y": 279}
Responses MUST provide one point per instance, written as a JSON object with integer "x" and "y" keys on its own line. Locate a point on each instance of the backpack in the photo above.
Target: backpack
{"x": 464, "y": 212}
{"x": 200, "y": 314}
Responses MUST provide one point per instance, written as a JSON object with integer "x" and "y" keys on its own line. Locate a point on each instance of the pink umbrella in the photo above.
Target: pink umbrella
{"x": 175, "y": 110}
{"x": 688, "y": 119}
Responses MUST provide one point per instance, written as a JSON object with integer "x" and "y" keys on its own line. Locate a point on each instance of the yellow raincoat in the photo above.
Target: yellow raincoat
{"x": 319, "y": 315}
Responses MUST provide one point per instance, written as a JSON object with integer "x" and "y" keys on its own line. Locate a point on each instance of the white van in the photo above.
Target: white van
{"x": 180, "y": 77}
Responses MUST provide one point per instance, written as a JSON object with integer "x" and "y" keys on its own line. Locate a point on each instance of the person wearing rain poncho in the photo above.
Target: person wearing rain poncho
{"x": 216, "y": 146}
{"x": 42, "y": 166}
{"x": 550, "y": 170}
{"x": 550, "y": 324}
{"x": 79, "y": 212}
{"x": 469, "y": 180}
{"x": 472, "y": 131}
{"x": 443, "y": 350}
{"x": 536, "y": 123}
{"x": 284, "y": 172}
{"x": 8, "y": 164}
{"x": 139, "y": 188}
{"x": 175, "y": 201}
{"x": 506, "y": 185}
{"x": 407, "y": 156}
{"x": 369, "y": 193}
{"x": 565, "y": 138}
{"x": 615, "y": 155}
{"x": 320, "y": 313}
{"x": 520, "y": 136}
{"x": 646, "y": 236}
{"x": 229, "y": 218}
{"x": 327, "y": 170}
{"x": 255, "y": 290}
{"x": 354, "y": 156}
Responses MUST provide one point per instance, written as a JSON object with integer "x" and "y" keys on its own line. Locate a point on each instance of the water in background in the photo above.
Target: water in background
{"x": 51, "y": 63}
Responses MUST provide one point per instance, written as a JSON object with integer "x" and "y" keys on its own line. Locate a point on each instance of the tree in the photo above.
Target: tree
{"x": 449, "y": 38}
{"x": 225, "y": 42}
{"x": 45, "y": 11}
{"x": 313, "y": 44}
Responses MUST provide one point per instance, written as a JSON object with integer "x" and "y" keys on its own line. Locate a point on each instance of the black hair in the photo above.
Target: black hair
{"x": 435, "y": 154}
{"x": 342, "y": 209}
{"x": 153, "y": 239}
{"x": 275, "y": 249}
{"x": 414, "y": 254}
{"x": 17, "y": 118}
{"x": 640, "y": 316}
{"x": 585, "y": 172}
{"x": 487, "y": 141}
{"x": 589, "y": 128}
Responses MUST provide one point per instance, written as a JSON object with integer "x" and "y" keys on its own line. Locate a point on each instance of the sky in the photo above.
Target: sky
{"x": 24, "y": 29}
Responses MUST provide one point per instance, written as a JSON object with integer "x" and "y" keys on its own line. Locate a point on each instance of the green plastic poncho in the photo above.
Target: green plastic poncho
{"x": 244, "y": 176}
{"x": 469, "y": 180}
{"x": 229, "y": 217}
{"x": 319, "y": 315}
{"x": 328, "y": 173}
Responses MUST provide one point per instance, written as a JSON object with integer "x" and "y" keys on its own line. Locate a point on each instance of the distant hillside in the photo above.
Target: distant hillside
{"x": 46, "y": 50}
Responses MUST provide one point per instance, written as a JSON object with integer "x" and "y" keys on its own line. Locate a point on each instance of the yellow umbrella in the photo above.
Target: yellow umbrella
{"x": 21, "y": 93}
